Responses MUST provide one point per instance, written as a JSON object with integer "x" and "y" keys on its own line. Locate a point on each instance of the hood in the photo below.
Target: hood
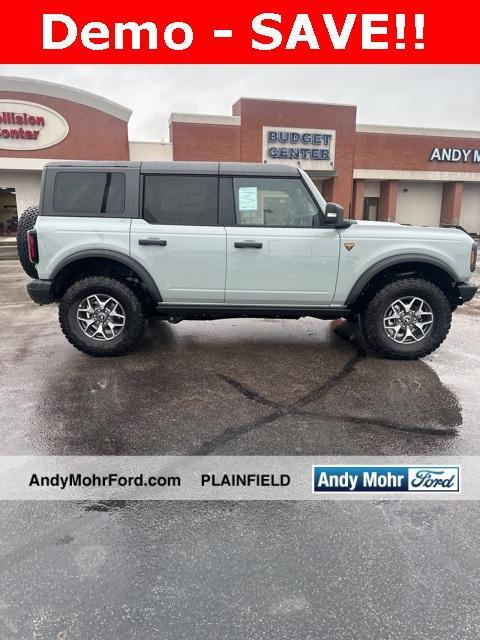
{"x": 374, "y": 229}
{"x": 445, "y": 230}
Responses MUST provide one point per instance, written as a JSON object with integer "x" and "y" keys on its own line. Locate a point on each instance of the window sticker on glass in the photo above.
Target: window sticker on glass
{"x": 248, "y": 199}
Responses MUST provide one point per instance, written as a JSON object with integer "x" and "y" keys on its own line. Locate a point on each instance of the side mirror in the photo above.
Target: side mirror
{"x": 334, "y": 214}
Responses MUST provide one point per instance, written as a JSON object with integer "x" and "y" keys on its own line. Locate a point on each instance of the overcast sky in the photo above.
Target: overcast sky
{"x": 412, "y": 95}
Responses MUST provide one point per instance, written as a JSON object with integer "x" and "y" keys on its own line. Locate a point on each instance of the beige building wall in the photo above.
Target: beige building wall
{"x": 150, "y": 151}
{"x": 26, "y": 185}
{"x": 470, "y": 213}
{"x": 419, "y": 203}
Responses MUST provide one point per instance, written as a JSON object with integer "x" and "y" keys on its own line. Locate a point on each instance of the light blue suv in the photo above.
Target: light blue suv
{"x": 113, "y": 243}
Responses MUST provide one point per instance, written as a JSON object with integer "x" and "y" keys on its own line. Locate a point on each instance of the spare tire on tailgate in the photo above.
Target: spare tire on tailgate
{"x": 26, "y": 222}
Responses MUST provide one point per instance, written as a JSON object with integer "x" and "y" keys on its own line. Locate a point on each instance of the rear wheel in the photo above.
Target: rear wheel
{"x": 407, "y": 319}
{"x": 101, "y": 316}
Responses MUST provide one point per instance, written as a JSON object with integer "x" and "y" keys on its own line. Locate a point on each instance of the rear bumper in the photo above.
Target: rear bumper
{"x": 40, "y": 291}
{"x": 466, "y": 292}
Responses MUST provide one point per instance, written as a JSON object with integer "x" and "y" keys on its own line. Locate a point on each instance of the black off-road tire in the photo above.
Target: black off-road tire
{"x": 134, "y": 316}
{"x": 25, "y": 223}
{"x": 371, "y": 319}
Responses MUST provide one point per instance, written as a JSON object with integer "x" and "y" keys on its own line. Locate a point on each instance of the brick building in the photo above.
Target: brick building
{"x": 411, "y": 175}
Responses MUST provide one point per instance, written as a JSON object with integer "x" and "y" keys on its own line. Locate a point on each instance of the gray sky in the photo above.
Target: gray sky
{"x": 445, "y": 96}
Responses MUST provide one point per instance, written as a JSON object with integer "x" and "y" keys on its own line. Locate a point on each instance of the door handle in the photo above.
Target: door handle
{"x": 152, "y": 241}
{"x": 248, "y": 245}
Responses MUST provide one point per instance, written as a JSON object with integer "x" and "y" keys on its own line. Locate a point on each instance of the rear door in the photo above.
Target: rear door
{"x": 85, "y": 208}
{"x": 275, "y": 255}
{"x": 177, "y": 237}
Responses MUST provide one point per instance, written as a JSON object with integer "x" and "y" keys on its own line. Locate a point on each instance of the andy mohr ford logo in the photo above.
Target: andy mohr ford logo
{"x": 358, "y": 478}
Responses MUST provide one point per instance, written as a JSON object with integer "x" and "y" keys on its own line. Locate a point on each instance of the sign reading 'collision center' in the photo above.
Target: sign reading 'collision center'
{"x": 307, "y": 148}
{"x": 28, "y": 126}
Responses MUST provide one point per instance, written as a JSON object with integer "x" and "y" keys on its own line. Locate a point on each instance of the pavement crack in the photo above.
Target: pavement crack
{"x": 383, "y": 424}
{"x": 386, "y": 424}
{"x": 347, "y": 369}
{"x": 232, "y": 433}
{"x": 249, "y": 393}
{"x": 278, "y": 410}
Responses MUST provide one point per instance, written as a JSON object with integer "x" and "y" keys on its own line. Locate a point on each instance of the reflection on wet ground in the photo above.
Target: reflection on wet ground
{"x": 232, "y": 386}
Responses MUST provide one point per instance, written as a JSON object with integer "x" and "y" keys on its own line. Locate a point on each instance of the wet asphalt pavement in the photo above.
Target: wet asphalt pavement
{"x": 379, "y": 570}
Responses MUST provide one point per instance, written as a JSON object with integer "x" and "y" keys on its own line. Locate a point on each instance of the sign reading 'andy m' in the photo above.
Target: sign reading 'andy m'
{"x": 450, "y": 154}
{"x": 312, "y": 149}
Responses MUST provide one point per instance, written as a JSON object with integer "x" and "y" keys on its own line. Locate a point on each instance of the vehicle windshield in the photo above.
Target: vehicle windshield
{"x": 315, "y": 192}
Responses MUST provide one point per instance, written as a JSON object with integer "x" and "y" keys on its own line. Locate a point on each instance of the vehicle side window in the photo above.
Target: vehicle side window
{"x": 273, "y": 202}
{"x": 92, "y": 192}
{"x": 184, "y": 200}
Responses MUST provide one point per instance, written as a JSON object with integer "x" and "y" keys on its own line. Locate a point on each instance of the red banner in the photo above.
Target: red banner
{"x": 254, "y": 31}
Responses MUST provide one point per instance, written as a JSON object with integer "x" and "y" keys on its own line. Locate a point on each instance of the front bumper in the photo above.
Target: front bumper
{"x": 40, "y": 291}
{"x": 466, "y": 292}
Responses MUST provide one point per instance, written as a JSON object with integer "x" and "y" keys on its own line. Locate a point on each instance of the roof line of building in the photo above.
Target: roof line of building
{"x": 203, "y": 118}
{"x": 416, "y": 131}
{"x": 323, "y": 104}
{"x": 64, "y": 92}
{"x": 149, "y": 142}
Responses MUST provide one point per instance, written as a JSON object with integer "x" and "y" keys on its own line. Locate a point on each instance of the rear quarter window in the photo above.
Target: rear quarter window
{"x": 94, "y": 193}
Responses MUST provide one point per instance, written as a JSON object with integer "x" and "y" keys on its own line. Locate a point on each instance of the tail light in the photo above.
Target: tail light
{"x": 473, "y": 257}
{"x": 32, "y": 246}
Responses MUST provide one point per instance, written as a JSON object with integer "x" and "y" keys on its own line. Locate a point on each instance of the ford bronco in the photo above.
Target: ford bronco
{"x": 114, "y": 243}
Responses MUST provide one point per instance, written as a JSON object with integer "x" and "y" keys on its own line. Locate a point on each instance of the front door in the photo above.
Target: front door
{"x": 274, "y": 254}
{"x": 179, "y": 241}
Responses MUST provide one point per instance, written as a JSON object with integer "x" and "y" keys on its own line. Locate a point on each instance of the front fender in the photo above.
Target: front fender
{"x": 391, "y": 261}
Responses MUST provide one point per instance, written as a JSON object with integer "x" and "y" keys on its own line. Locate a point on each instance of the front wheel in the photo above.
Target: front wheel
{"x": 407, "y": 319}
{"x": 101, "y": 316}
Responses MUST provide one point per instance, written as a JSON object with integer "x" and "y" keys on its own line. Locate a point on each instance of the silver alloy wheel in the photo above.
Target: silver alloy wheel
{"x": 101, "y": 317}
{"x": 408, "y": 320}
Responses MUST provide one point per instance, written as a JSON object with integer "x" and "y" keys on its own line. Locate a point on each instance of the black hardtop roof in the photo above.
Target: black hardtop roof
{"x": 219, "y": 168}
{"x": 92, "y": 164}
{"x": 180, "y": 167}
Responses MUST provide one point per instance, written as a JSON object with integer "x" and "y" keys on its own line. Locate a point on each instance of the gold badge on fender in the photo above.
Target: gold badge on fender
{"x": 348, "y": 245}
